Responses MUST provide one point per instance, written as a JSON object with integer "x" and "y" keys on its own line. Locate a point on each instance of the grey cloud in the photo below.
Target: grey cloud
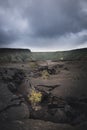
{"x": 37, "y": 22}
{"x": 7, "y": 37}
{"x": 56, "y": 17}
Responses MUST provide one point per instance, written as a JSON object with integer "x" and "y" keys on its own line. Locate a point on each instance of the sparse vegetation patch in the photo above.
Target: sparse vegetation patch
{"x": 35, "y": 98}
{"x": 45, "y": 74}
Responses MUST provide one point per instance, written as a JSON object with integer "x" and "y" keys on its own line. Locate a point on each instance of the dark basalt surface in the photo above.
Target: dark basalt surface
{"x": 53, "y": 112}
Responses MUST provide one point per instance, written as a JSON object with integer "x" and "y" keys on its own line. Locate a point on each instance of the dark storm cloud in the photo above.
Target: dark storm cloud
{"x": 51, "y": 18}
{"x": 7, "y": 37}
{"x": 38, "y": 22}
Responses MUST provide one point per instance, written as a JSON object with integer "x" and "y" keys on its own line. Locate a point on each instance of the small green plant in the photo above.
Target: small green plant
{"x": 61, "y": 58}
{"x": 45, "y": 74}
{"x": 33, "y": 65}
{"x": 35, "y": 97}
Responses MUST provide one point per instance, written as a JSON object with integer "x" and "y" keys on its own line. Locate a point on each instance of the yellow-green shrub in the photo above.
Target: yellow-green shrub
{"x": 33, "y": 65}
{"x": 61, "y": 58}
{"x": 35, "y": 97}
{"x": 45, "y": 74}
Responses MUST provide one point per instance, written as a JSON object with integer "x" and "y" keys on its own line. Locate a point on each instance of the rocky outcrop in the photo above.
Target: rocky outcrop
{"x": 31, "y": 124}
{"x": 15, "y": 88}
{"x": 12, "y": 106}
{"x": 9, "y": 55}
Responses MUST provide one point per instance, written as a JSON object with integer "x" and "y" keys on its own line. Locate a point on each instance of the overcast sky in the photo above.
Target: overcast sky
{"x": 43, "y": 25}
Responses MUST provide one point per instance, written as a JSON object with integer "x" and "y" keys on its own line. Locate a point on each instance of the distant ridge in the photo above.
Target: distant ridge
{"x": 4, "y": 50}
{"x": 24, "y": 55}
{"x": 82, "y": 49}
{"x": 14, "y": 55}
{"x": 76, "y": 54}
